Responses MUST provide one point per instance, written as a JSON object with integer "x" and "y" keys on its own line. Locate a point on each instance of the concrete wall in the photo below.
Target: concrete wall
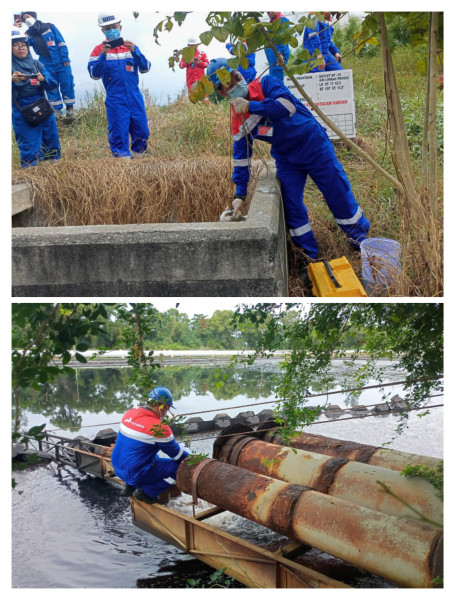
{"x": 246, "y": 258}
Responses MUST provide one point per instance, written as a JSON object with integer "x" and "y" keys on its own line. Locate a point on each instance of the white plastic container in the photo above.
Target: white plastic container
{"x": 381, "y": 264}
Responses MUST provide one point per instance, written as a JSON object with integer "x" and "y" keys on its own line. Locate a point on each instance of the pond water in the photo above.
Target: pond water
{"x": 73, "y": 531}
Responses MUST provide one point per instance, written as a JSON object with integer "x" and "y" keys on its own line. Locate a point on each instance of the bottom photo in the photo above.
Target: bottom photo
{"x": 187, "y": 443}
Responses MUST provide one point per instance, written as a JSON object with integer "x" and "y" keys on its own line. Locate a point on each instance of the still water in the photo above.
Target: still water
{"x": 73, "y": 531}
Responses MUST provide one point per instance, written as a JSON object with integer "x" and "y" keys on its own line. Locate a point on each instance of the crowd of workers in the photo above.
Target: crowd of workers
{"x": 262, "y": 108}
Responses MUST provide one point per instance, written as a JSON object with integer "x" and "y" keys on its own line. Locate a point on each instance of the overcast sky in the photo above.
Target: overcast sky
{"x": 81, "y": 32}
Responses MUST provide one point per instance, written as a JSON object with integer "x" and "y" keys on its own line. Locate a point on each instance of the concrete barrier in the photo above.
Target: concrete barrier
{"x": 171, "y": 259}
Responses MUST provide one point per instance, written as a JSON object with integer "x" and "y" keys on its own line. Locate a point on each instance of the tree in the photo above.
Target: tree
{"x": 411, "y": 334}
{"x": 43, "y": 332}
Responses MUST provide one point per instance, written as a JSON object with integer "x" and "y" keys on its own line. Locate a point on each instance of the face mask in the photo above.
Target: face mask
{"x": 239, "y": 91}
{"x": 112, "y": 34}
{"x": 30, "y": 21}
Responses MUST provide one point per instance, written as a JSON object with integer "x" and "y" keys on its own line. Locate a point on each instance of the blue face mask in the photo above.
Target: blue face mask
{"x": 112, "y": 34}
{"x": 239, "y": 91}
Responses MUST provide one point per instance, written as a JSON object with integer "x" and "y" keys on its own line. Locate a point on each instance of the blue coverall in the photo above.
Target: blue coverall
{"x": 283, "y": 49}
{"x": 249, "y": 74}
{"x": 320, "y": 39}
{"x": 58, "y": 51}
{"x": 39, "y": 142}
{"x": 125, "y": 107}
{"x": 300, "y": 147}
{"x": 135, "y": 456}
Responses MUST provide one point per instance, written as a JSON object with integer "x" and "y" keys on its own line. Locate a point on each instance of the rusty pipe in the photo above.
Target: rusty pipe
{"x": 348, "y": 480}
{"x": 364, "y": 453}
{"x": 406, "y": 552}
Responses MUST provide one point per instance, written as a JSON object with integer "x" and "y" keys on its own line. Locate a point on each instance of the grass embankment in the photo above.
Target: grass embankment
{"x": 186, "y": 175}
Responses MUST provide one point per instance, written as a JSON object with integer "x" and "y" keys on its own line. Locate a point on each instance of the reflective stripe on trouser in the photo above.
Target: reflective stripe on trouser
{"x": 153, "y": 480}
{"x": 328, "y": 174}
{"x": 65, "y": 89}
{"x": 125, "y": 119}
{"x": 292, "y": 187}
{"x": 36, "y": 143}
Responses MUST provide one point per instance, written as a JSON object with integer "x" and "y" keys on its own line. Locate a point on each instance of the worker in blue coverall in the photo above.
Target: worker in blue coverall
{"x": 135, "y": 455}
{"x": 48, "y": 43}
{"x": 319, "y": 37}
{"x": 249, "y": 74}
{"x": 119, "y": 69}
{"x": 30, "y": 79}
{"x": 283, "y": 49}
{"x": 267, "y": 110}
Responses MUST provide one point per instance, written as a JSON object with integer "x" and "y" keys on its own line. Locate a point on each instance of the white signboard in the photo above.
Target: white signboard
{"x": 333, "y": 93}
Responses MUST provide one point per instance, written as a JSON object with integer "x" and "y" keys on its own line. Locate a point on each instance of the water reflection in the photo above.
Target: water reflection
{"x": 103, "y": 394}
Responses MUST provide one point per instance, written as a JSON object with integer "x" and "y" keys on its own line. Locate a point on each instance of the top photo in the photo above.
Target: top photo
{"x": 227, "y": 154}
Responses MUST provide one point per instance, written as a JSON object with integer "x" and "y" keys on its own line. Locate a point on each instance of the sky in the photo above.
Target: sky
{"x": 81, "y": 33}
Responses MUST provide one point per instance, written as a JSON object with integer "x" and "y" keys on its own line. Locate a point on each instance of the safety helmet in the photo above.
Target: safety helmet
{"x": 192, "y": 41}
{"x": 28, "y": 12}
{"x": 107, "y": 19}
{"x": 214, "y": 65}
{"x": 17, "y": 34}
{"x": 162, "y": 394}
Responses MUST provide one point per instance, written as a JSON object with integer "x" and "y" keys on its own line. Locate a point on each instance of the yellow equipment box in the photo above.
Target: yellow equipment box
{"x": 335, "y": 278}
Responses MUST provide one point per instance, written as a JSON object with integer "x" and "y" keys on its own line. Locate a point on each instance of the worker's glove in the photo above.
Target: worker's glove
{"x": 237, "y": 204}
{"x": 185, "y": 448}
{"x": 240, "y": 105}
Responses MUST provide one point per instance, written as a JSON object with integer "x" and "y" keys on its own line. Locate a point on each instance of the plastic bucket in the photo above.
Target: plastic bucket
{"x": 381, "y": 264}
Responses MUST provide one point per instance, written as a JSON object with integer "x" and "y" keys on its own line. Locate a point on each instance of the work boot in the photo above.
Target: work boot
{"x": 127, "y": 490}
{"x": 139, "y": 494}
{"x": 172, "y": 492}
{"x": 137, "y": 154}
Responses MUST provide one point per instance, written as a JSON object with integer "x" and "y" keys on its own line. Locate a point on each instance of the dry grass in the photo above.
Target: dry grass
{"x": 113, "y": 192}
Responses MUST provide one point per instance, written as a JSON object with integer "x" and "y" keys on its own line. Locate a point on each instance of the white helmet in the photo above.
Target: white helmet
{"x": 192, "y": 41}
{"x": 17, "y": 34}
{"x": 107, "y": 19}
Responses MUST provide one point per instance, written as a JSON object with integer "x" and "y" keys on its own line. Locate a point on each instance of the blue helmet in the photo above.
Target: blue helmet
{"x": 214, "y": 64}
{"x": 162, "y": 394}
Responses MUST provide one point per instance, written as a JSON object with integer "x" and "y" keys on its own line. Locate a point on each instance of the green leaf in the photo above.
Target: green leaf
{"x": 206, "y": 37}
{"x": 220, "y": 34}
{"x": 233, "y": 62}
{"x": 224, "y": 76}
{"x": 180, "y": 17}
{"x": 80, "y": 357}
{"x": 36, "y": 430}
{"x": 188, "y": 53}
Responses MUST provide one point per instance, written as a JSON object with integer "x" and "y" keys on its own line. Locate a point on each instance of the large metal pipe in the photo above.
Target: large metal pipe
{"x": 372, "y": 455}
{"x": 406, "y": 552}
{"x": 348, "y": 480}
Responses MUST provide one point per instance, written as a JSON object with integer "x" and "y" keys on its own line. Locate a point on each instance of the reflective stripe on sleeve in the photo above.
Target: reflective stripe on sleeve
{"x": 247, "y": 126}
{"x": 287, "y": 104}
{"x": 143, "y": 437}
{"x": 178, "y": 455}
